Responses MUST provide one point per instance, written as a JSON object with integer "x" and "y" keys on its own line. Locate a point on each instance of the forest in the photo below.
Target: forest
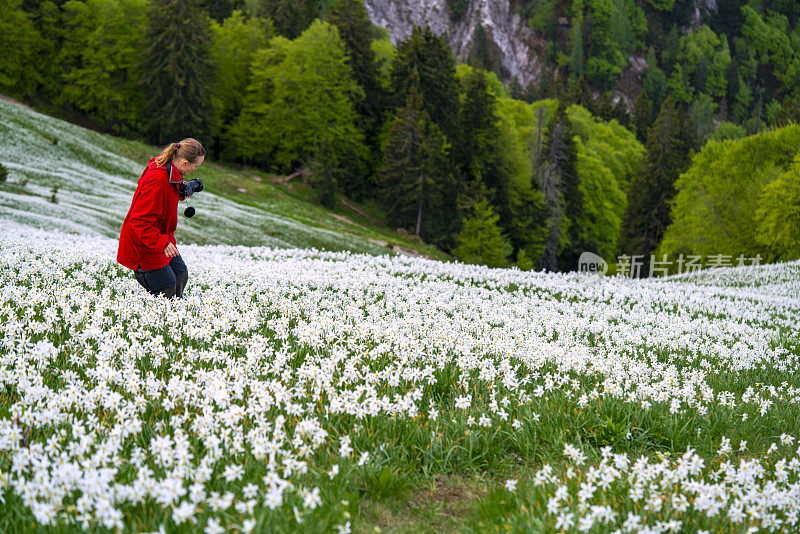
{"x": 703, "y": 161}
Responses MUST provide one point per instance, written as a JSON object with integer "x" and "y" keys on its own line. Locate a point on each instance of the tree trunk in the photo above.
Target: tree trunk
{"x": 419, "y": 219}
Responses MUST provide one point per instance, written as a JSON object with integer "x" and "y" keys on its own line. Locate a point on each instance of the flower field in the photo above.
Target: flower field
{"x": 293, "y": 389}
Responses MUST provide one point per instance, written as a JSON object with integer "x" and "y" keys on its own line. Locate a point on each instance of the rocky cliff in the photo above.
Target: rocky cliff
{"x": 497, "y": 37}
{"x": 488, "y": 30}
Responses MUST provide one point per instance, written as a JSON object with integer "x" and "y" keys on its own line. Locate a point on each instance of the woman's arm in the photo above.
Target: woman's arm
{"x": 144, "y": 214}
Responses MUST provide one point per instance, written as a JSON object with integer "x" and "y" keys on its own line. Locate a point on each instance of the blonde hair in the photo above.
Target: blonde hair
{"x": 189, "y": 149}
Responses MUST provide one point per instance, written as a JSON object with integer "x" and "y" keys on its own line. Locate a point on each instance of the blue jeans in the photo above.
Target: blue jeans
{"x": 169, "y": 280}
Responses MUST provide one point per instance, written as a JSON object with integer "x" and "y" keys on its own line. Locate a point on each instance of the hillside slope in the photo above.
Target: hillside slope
{"x": 96, "y": 176}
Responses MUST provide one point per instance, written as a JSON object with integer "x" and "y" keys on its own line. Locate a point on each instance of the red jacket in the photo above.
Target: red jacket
{"x": 151, "y": 220}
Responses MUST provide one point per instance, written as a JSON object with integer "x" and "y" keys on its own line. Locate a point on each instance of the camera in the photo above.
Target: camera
{"x": 187, "y": 189}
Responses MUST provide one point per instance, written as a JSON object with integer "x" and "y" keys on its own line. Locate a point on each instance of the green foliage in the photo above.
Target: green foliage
{"x": 219, "y": 10}
{"x": 576, "y": 64}
{"x": 524, "y": 263}
{"x": 542, "y": 15}
{"x": 642, "y": 115}
{"x": 612, "y": 32}
{"x": 458, "y": 8}
{"x": 48, "y": 23}
{"x": 607, "y": 157}
{"x": 705, "y": 57}
{"x": 300, "y": 95}
{"x": 386, "y": 482}
{"x": 3, "y": 173}
{"x": 559, "y": 182}
{"x": 654, "y": 80}
{"x": 678, "y": 86}
{"x": 652, "y": 188}
{"x": 517, "y": 130}
{"x": 701, "y": 114}
{"x": 714, "y": 211}
{"x": 478, "y": 147}
{"x": 326, "y": 173}
{"x": 480, "y": 240}
{"x": 100, "y": 57}
{"x": 432, "y": 59}
{"x": 21, "y": 44}
{"x": 350, "y": 18}
{"x": 415, "y": 182}
{"x": 385, "y": 53}
{"x": 235, "y": 42}
{"x": 778, "y": 215}
{"x": 663, "y": 5}
{"x": 177, "y": 71}
{"x": 290, "y": 17}
{"x": 769, "y": 39}
{"x": 728, "y": 130}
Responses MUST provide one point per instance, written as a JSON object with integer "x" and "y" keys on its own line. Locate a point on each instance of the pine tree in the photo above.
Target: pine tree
{"x": 326, "y": 172}
{"x": 642, "y": 115}
{"x": 559, "y": 182}
{"x": 480, "y": 240}
{"x": 576, "y": 69}
{"x": 478, "y": 150}
{"x": 647, "y": 216}
{"x": 431, "y": 57}
{"x": 219, "y": 10}
{"x": 524, "y": 263}
{"x": 178, "y": 75}
{"x": 528, "y": 228}
{"x": 350, "y": 18}
{"x": 290, "y": 17}
{"x": 415, "y": 182}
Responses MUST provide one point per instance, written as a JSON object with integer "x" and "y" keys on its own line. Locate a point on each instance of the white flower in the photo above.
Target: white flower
{"x": 273, "y": 498}
{"x": 574, "y": 454}
{"x": 565, "y": 520}
{"x": 333, "y": 471}
{"x": 184, "y": 512}
{"x": 311, "y": 499}
{"x": 511, "y": 484}
{"x": 250, "y": 491}
{"x": 345, "y": 449}
{"x": 213, "y": 526}
{"x": 463, "y": 401}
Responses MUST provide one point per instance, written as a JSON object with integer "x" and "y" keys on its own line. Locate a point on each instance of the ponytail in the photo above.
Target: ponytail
{"x": 189, "y": 149}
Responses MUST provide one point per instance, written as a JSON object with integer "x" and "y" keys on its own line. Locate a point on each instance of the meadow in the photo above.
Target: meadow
{"x": 315, "y": 391}
{"x": 64, "y": 177}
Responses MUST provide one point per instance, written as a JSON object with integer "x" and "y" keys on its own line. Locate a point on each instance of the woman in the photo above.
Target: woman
{"x": 146, "y": 243}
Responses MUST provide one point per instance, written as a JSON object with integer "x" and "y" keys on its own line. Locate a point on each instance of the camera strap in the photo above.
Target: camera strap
{"x": 176, "y": 184}
{"x": 169, "y": 173}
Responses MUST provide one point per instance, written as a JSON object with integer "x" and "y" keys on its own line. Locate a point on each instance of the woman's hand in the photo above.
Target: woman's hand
{"x": 170, "y": 250}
